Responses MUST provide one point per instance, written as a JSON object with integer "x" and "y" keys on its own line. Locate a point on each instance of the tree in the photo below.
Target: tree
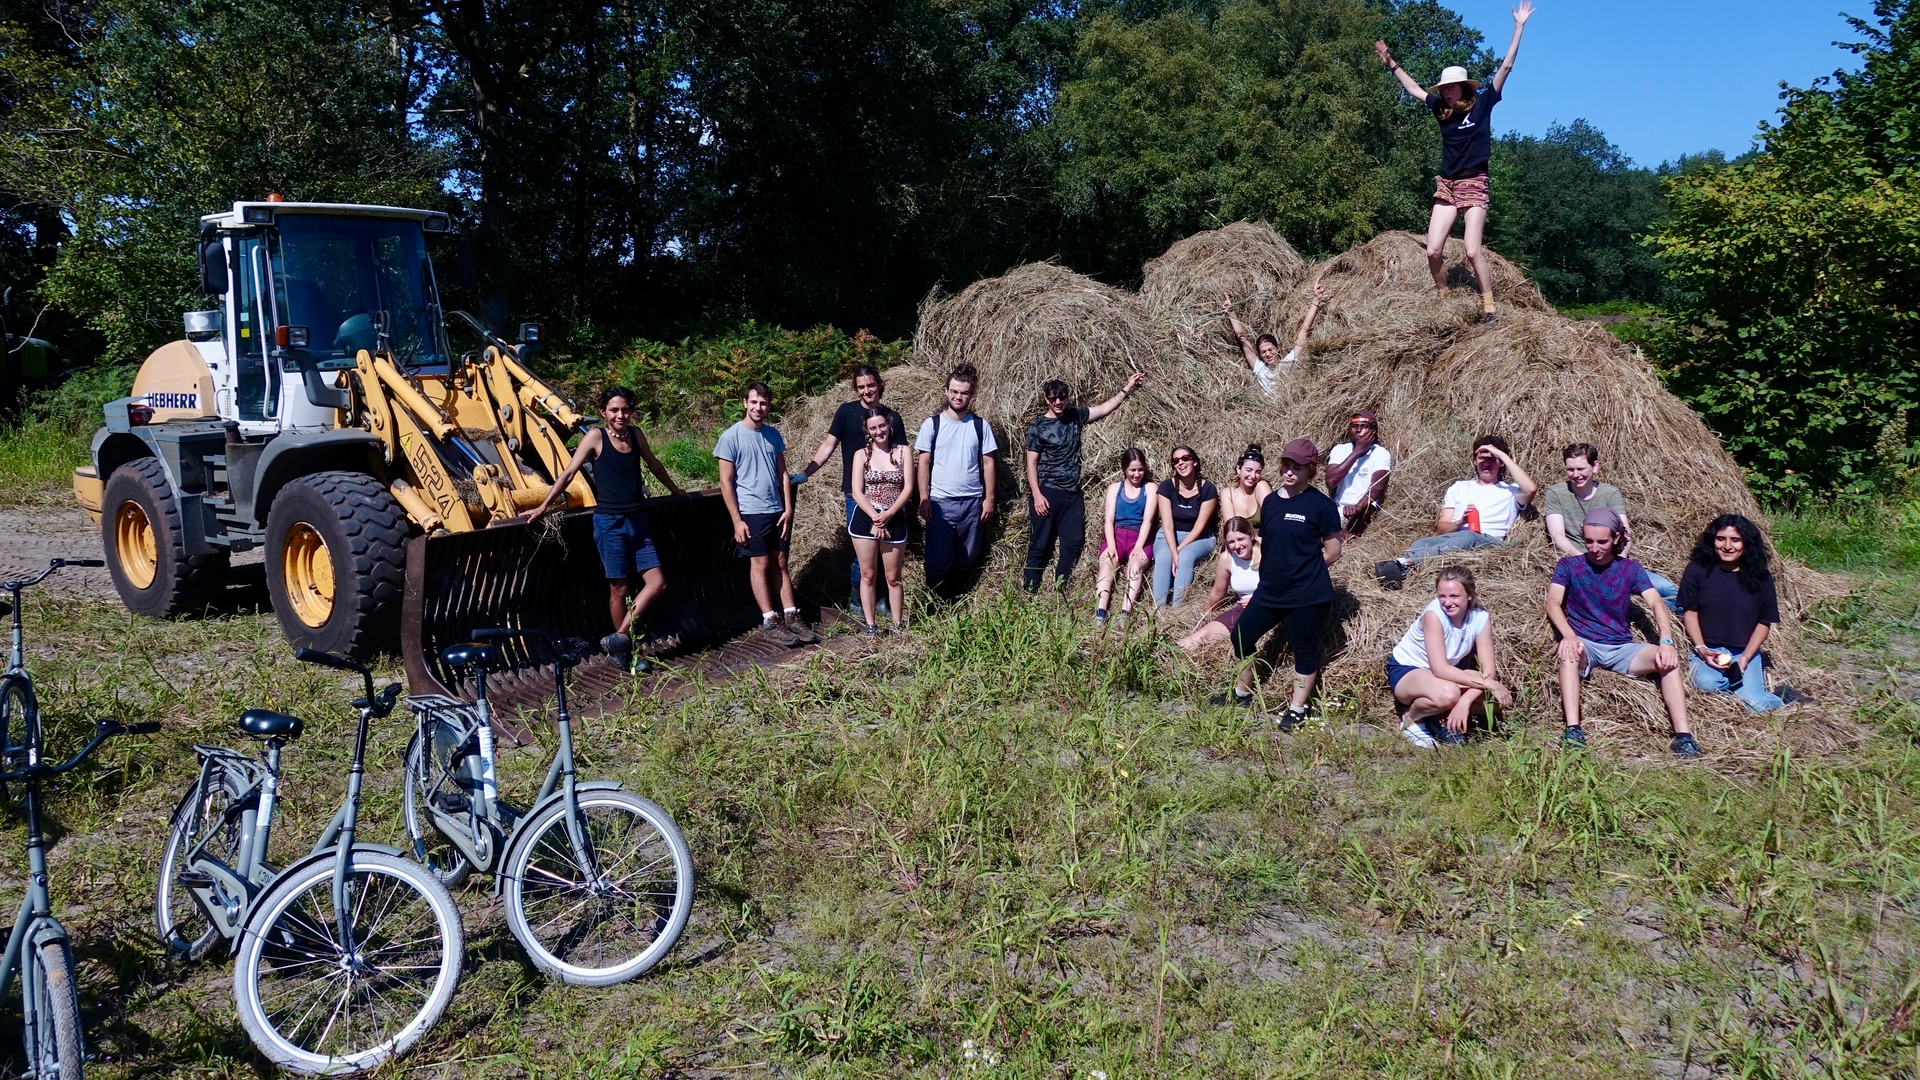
{"x": 1799, "y": 269}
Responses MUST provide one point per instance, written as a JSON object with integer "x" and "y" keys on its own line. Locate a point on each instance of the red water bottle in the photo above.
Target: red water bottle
{"x": 1473, "y": 518}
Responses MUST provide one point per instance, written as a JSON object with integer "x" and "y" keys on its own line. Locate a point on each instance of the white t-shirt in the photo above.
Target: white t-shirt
{"x": 1242, "y": 576}
{"x": 1359, "y": 479}
{"x": 1263, "y": 374}
{"x": 956, "y": 455}
{"x": 1498, "y": 503}
{"x": 1412, "y": 650}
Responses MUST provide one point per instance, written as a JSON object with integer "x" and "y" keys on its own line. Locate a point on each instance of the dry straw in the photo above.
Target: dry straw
{"x": 1436, "y": 376}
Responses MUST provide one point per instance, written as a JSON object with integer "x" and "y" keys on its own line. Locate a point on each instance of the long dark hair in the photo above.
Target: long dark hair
{"x": 1133, "y": 454}
{"x": 872, "y": 411}
{"x": 1756, "y": 565}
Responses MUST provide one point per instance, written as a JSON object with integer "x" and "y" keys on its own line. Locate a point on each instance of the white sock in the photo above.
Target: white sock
{"x": 768, "y": 616}
{"x": 793, "y": 611}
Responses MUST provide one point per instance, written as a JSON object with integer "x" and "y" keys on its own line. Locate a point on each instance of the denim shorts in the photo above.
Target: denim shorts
{"x": 626, "y": 549}
{"x": 1612, "y": 657}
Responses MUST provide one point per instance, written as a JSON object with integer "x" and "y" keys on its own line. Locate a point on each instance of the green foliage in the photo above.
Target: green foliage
{"x": 701, "y": 378}
{"x": 40, "y": 449}
{"x": 1571, "y": 209}
{"x": 1799, "y": 267}
{"x": 175, "y": 108}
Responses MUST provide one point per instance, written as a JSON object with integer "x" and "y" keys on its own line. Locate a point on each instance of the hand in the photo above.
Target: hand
{"x": 1226, "y": 305}
{"x": 1571, "y": 651}
{"x": 786, "y": 523}
{"x": 676, "y": 489}
{"x": 1041, "y": 507}
{"x": 534, "y": 514}
{"x": 926, "y": 511}
{"x": 1743, "y": 660}
{"x": 740, "y": 531}
{"x": 1665, "y": 659}
{"x": 1457, "y": 718}
{"x": 1522, "y": 13}
{"x": 1386, "y": 55}
{"x": 986, "y": 509}
{"x": 880, "y": 530}
{"x": 1133, "y": 382}
{"x": 1712, "y": 657}
{"x": 1351, "y": 511}
{"x": 1500, "y": 693}
{"x": 1505, "y": 458}
{"x": 1319, "y": 294}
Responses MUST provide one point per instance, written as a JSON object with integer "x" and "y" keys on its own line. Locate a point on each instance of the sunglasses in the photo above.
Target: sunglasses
{"x": 1181, "y": 459}
{"x": 1056, "y": 397}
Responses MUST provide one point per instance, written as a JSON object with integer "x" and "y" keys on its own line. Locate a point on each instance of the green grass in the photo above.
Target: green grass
{"x": 37, "y": 460}
{"x": 1007, "y": 847}
{"x": 690, "y": 458}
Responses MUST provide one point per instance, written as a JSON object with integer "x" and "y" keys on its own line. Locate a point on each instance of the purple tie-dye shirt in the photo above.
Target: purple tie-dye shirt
{"x": 1598, "y": 602}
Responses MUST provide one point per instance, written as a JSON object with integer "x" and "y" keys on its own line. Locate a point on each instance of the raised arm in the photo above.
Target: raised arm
{"x": 1247, "y": 348}
{"x": 1520, "y": 478}
{"x": 1408, "y": 82}
{"x": 659, "y": 470}
{"x": 1520, "y": 16}
{"x": 1313, "y": 310}
{"x": 1106, "y": 407}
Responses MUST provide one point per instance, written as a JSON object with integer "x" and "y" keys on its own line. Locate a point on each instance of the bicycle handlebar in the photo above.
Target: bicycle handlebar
{"x": 52, "y": 565}
{"x": 341, "y": 663}
{"x": 102, "y": 731}
{"x": 381, "y": 704}
{"x": 567, "y": 651}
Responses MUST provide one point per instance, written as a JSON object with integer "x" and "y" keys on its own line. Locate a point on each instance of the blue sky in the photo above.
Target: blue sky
{"x": 1662, "y": 77}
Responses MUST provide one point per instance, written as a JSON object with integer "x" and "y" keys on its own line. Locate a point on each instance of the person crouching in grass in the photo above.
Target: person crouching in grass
{"x": 1444, "y": 663}
{"x": 1590, "y": 604}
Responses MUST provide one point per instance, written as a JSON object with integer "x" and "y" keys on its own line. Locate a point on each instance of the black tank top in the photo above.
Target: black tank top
{"x": 616, "y": 477}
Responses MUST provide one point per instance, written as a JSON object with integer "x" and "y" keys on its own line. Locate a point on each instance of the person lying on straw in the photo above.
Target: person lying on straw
{"x": 1444, "y": 664}
{"x": 1590, "y": 603}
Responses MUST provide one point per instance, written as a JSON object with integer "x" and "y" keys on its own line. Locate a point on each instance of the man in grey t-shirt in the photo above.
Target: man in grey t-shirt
{"x": 759, "y": 495}
{"x": 956, "y": 471}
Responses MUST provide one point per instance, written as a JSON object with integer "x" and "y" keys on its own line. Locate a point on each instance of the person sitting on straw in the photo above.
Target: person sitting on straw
{"x": 1444, "y": 664}
{"x": 1728, "y": 594}
{"x": 1357, "y": 473}
{"x": 1475, "y": 513}
{"x": 882, "y": 489}
{"x": 1126, "y": 524}
{"x": 1248, "y": 492}
{"x": 1590, "y": 604}
{"x": 1236, "y": 571}
{"x": 1185, "y": 507}
{"x": 1465, "y": 112}
{"x": 1563, "y": 504}
{"x": 1263, "y": 353}
{"x": 1057, "y": 508}
{"x": 1300, "y": 539}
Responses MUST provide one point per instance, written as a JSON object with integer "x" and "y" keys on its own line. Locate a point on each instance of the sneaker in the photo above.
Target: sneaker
{"x": 899, "y": 628}
{"x": 1685, "y": 747}
{"x": 1573, "y": 736}
{"x": 1291, "y": 719}
{"x": 869, "y": 630}
{"x": 619, "y": 649}
{"x": 1100, "y": 616}
{"x": 797, "y": 626}
{"x": 1788, "y": 695}
{"x": 1446, "y": 737}
{"x": 776, "y": 631}
{"x": 1391, "y": 573}
{"x": 1417, "y": 734}
{"x": 1239, "y": 700}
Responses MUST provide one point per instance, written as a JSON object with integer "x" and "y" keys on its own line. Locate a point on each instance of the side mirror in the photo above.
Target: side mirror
{"x": 213, "y": 268}
{"x": 532, "y": 333}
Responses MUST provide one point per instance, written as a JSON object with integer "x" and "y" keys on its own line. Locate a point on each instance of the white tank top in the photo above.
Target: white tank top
{"x": 1412, "y": 650}
{"x": 1242, "y": 576}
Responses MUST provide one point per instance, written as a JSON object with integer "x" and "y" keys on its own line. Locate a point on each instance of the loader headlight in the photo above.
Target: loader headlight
{"x": 257, "y": 215}
{"x": 436, "y": 223}
{"x": 532, "y": 333}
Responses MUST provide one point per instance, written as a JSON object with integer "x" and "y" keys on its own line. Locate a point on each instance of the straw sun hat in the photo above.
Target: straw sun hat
{"x": 1455, "y": 74}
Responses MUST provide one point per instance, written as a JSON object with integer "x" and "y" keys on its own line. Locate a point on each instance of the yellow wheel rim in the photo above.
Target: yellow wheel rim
{"x": 134, "y": 545}
{"x": 308, "y": 570}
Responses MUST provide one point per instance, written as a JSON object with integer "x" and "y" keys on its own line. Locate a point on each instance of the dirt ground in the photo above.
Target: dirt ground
{"x": 30, "y": 537}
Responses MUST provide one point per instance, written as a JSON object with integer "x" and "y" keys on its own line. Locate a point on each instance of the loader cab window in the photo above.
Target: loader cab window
{"x": 256, "y": 389}
{"x": 345, "y": 276}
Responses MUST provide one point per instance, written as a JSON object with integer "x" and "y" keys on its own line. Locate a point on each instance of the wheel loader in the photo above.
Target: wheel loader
{"x": 321, "y": 414}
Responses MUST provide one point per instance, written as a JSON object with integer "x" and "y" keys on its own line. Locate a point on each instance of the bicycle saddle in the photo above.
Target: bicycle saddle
{"x": 267, "y": 724}
{"x": 459, "y": 656}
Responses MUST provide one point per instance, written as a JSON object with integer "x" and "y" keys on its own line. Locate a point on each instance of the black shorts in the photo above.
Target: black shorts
{"x": 763, "y": 536}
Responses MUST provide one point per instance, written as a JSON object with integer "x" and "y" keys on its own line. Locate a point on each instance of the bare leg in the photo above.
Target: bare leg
{"x": 786, "y": 583}
{"x": 1476, "y": 229}
{"x": 1672, "y": 690}
{"x": 1244, "y": 683}
{"x": 1438, "y": 226}
{"x": 1570, "y": 691}
{"x": 1136, "y": 567}
{"x": 757, "y": 580}
{"x": 652, "y": 584}
{"x": 1210, "y": 631}
{"x": 617, "y": 601}
{"x": 1103, "y": 589}
{"x": 1303, "y": 688}
{"x": 890, "y": 559}
{"x": 869, "y": 576}
{"x": 1426, "y": 695}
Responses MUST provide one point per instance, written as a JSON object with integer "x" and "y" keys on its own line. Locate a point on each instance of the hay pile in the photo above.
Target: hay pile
{"x": 1437, "y": 378}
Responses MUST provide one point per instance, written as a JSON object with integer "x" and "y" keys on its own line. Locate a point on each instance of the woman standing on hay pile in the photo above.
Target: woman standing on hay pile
{"x": 1430, "y": 671}
{"x": 1127, "y": 524}
{"x": 1465, "y": 112}
{"x": 1731, "y": 607}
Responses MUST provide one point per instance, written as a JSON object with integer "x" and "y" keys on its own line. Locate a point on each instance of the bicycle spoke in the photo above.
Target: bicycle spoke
{"x": 609, "y": 912}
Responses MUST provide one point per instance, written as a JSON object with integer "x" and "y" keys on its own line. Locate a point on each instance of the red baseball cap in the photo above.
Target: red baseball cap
{"x": 1364, "y": 414}
{"x": 1300, "y": 452}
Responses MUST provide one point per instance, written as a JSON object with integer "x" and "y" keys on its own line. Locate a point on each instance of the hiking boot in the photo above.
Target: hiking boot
{"x": 1239, "y": 700}
{"x": 1685, "y": 747}
{"x": 776, "y": 631}
{"x": 1291, "y": 719}
{"x": 1788, "y": 695}
{"x": 1573, "y": 736}
{"x": 1417, "y": 734}
{"x": 619, "y": 649}
{"x": 797, "y": 626}
{"x": 1391, "y": 573}
{"x": 899, "y": 628}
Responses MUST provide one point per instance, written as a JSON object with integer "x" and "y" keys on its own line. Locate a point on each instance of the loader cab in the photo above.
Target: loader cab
{"x": 352, "y": 277}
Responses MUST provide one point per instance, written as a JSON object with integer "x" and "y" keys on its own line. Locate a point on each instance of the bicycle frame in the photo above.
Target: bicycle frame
{"x": 35, "y": 925}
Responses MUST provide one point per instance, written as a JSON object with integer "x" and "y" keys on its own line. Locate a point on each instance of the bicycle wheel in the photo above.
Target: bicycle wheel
{"x": 17, "y": 706}
{"x": 600, "y": 926}
{"x": 313, "y": 1007}
{"x": 182, "y": 924}
{"x": 58, "y": 1050}
{"x": 429, "y": 777}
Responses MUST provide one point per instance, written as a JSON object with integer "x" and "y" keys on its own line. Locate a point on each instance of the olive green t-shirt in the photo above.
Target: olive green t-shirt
{"x": 1560, "y": 499}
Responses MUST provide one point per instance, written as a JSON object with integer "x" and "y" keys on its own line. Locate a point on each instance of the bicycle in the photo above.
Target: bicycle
{"x": 598, "y": 882}
{"x": 342, "y": 960}
{"x": 38, "y": 946}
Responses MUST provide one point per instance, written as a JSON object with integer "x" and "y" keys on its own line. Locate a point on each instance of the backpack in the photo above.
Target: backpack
{"x": 979, "y": 434}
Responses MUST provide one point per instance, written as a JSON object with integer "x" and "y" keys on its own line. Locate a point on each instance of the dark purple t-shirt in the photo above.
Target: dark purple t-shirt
{"x": 1599, "y": 602}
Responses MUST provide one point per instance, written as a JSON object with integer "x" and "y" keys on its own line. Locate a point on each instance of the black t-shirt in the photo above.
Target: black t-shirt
{"x": 850, "y": 427}
{"x": 1293, "y": 573}
{"x": 1728, "y": 613}
{"x": 1057, "y": 441}
{"x": 1466, "y": 143}
{"x": 1186, "y": 509}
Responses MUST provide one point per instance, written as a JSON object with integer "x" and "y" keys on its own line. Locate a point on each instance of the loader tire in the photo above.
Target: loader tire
{"x": 336, "y": 563}
{"x": 140, "y": 529}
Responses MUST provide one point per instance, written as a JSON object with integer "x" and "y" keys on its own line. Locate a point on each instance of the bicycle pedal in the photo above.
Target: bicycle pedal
{"x": 452, "y": 803}
{"x": 193, "y": 879}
